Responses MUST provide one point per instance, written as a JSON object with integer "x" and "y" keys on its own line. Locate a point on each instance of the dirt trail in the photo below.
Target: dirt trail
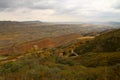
{"x": 13, "y": 59}
{"x": 87, "y": 37}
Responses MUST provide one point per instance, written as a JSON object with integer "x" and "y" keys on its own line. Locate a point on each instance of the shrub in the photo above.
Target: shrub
{"x": 10, "y": 67}
{"x": 64, "y": 61}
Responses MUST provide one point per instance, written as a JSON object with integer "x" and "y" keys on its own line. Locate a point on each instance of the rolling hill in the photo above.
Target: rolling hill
{"x": 93, "y": 64}
{"x": 13, "y": 32}
{"x": 106, "y": 42}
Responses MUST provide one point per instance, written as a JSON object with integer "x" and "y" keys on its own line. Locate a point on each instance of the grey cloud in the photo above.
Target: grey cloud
{"x": 116, "y": 5}
{"x": 4, "y": 4}
{"x": 36, "y": 4}
{"x": 57, "y": 5}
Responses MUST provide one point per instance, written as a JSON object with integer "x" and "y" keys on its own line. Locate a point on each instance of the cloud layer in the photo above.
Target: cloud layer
{"x": 60, "y": 10}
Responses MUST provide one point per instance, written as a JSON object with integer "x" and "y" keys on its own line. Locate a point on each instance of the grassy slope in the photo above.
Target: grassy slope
{"x": 90, "y": 66}
{"x": 52, "y": 68}
{"x": 99, "y": 59}
{"x": 107, "y": 42}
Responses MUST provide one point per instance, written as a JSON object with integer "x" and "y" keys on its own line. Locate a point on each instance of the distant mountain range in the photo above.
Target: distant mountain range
{"x": 37, "y": 21}
{"x": 105, "y": 22}
{"x": 32, "y": 21}
{"x": 13, "y": 22}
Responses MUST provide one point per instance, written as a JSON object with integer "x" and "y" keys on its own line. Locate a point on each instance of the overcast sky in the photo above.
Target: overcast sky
{"x": 60, "y": 10}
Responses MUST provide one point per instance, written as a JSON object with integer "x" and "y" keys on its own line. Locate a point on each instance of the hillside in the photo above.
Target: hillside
{"x": 106, "y": 42}
{"x": 13, "y": 33}
{"x": 52, "y": 58}
{"x": 50, "y": 42}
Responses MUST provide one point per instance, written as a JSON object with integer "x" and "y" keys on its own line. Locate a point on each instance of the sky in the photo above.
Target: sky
{"x": 60, "y": 10}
